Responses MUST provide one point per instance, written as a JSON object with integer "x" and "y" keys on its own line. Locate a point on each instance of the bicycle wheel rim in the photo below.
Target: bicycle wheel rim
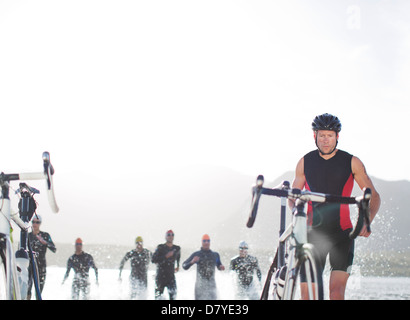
{"x": 313, "y": 287}
{"x": 3, "y": 278}
{"x": 311, "y": 277}
{"x": 36, "y": 279}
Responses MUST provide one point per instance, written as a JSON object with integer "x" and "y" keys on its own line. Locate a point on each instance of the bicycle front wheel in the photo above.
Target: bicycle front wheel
{"x": 36, "y": 277}
{"x": 3, "y": 277}
{"x": 306, "y": 281}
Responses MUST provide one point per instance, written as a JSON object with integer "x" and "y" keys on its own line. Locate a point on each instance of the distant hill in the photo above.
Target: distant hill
{"x": 390, "y": 229}
{"x": 391, "y": 225}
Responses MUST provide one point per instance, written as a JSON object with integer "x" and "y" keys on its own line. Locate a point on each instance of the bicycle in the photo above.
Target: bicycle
{"x": 295, "y": 257}
{"x": 14, "y": 269}
{"x": 25, "y": 257}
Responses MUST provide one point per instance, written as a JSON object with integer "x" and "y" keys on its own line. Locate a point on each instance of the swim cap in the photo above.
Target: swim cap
{"x": 243, "y": 245}
{"x": 138, "y": 239}
{"x": 169, "y": 232}
{"x": 78, "y": 241}
{"x": 206, "y": 237}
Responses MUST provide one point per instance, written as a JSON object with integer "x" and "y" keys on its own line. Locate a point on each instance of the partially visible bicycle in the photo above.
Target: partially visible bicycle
{"x": 25, "y": 257}
{"x": 295, "y": 257}
{"x": 14, "y": 269}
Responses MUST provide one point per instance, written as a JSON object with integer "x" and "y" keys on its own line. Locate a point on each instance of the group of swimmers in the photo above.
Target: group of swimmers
{"x": 167, "y": 258}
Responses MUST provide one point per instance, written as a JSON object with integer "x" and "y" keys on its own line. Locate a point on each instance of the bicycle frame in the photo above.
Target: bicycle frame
{"x": 11, "y": 278}
{"x": 296, "y": 234}
{"x": 13, "y": 285}
{"x": 281, "y": 249}
{"x": 24, "y": 255}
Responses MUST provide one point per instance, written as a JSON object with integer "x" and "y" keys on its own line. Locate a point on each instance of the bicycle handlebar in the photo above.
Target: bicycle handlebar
{"x": 47, "y": 174}
{"x": 256, "y": 194}
{"x": 24, "y": 185}
{"x": 304, "y": 195}
{"x": 364, "y": 213}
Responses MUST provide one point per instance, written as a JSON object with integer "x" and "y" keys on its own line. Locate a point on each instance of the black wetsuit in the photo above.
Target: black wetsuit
{"x": 205, "y": 285}
{"x": 166, "y": 270}
{"x": 330, "y": 223}
{"x": 81, "y": 263}
{"x": 40, "y": 249}
{"x": 139, "y": 270}
{"x": 245, "y": 268}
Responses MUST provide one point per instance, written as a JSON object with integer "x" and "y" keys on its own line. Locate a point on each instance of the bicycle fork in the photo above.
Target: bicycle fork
{"x": 297, "y": 240}
{"x": 23, "y": 262}
{"x": 13, "y": 288}
{"x": 24, "y": 255}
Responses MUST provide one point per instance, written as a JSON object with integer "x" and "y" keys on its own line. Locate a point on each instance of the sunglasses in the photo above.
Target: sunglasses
{"x": 36, "y": 222}
{"x": 243, "y": 248}
{"x": 78, "y": 244}
{"x": 206, "y": 240}
{"x": 170, "y": 234}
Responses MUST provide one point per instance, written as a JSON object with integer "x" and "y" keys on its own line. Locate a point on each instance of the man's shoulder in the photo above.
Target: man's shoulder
{"x": 344, "y": 153}
{"x": 252, "y": 258}
{"x": 160, "y": 246}
{"x": 198, "y": 253}
{"x": 311, "y": 154}
{"x": 216, "y": 254}
{"x": 163, "y": 248}
{"x": 87, "y": 255}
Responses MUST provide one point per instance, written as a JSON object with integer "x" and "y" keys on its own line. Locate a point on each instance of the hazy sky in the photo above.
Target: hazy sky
{"x": 117, "y": 88}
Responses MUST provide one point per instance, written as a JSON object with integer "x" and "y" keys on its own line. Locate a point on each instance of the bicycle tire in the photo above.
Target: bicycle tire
{"x": 36, "y": 278}
{"x": 34, "y": 273}
{"x": 313, "y": 275}
{"x": 3, "y": 275}
{"x": 8, "y": 286}
{"x": 272, "y": 269}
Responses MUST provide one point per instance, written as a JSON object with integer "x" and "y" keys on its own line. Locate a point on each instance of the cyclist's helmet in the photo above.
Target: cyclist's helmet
{"x": 326, "y": 121}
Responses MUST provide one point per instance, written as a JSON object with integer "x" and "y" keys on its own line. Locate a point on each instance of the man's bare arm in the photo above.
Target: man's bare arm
{"x": 364, "y": 181}
{"x": 299, "y": 181}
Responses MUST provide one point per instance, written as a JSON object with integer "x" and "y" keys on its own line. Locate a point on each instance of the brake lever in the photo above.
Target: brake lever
{"x": 365, "y": 204}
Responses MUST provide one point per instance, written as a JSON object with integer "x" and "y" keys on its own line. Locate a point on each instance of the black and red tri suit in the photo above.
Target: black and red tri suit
{"x": 330, "y": 223}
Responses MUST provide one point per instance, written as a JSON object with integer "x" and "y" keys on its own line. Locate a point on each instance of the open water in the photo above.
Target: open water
{"x": 110, "y": 288}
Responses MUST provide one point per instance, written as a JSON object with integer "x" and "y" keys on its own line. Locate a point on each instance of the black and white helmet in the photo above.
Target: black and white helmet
{"x": 326, "y": 121}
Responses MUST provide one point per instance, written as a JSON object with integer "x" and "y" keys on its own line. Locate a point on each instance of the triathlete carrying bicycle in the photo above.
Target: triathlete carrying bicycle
{"x": 40, "y": 241}
{"x": 330, "y": 170}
